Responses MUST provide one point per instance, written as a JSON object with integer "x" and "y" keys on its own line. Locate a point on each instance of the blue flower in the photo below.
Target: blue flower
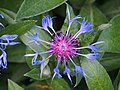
{"x": 93, "y": 46}
{"x": 35, "y": 38}
{"x": 70, "y": 23}
{"x": 85, "y": 27}
{"x": 9, "y": 37}
{"x": 75, "y": 19}
{"x": 78, "y": 69}
{"x": 67, "y": 71}
{"x": 34, "y": 59}
{"x": 90, "y": 56}
{"x": 6, "y": 40}
{"x": 56, "y": 71}
{"x": 47, "y": 22}
{"x": 3, "y": 59}
{"x": 65, "y": 46}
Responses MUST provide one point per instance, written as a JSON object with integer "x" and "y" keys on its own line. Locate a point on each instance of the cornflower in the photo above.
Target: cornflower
{"x": 64, "y": 46}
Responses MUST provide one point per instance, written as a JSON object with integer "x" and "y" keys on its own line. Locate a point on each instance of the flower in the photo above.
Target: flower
{"x": 6, "y": 40}
{"x": 64, "y": 46}
{"x": 3, "y": 59}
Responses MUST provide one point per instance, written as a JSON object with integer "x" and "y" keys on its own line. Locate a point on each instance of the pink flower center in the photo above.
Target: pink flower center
{"x": 62, "y": 47}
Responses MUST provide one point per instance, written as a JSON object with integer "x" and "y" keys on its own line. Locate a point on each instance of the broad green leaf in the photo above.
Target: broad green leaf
{"x": 11, "y": 4}
{"x": 13, "y": 86}
{"x": 35, "y": 73}
{"x": 18, "y": 28}
{"x": 17, "y": 71}
{"x": 111, "y": 36}
{"x": 97, "y": 77}
{"x": 9, "y": 16}
{"x": 113, "y": 8}
{"x": 96, "y": 17}
{"x": 117, "y": 81}
{"x": 16, "y": 53}
{"x": 110, "y": 61}
{"x": 30, "y": 8}
{"x": 59, "y": 84}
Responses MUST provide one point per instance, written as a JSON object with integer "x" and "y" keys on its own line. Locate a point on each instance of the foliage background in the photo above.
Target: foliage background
{"x": 21, "y": 17}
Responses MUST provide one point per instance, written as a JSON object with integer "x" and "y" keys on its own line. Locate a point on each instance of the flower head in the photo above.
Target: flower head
{"x": 65, "y": 47}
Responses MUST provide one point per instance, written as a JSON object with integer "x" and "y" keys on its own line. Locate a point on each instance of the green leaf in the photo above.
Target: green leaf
{"x": 117, "y": 81}
{"x": 110, "y": 61}
{"x": 97, "y": 77}
{"x": 113, "y": 9}
{"x": 111, "y": 36}
{"x": 11, "y": 4}
{"x": 30, "y": 8}
{"x": 18, "y": 28}
{"x": 8, "y": 15}
{"x": 13, "y": 86}
{"x": 35, "y": 73}
{"x": 17, "y": 71}
{"x": 93, "y": 14}
{"x": 16, "y": 53}
{"x": 78, "y": 79}
{"x": 59, "y": 84}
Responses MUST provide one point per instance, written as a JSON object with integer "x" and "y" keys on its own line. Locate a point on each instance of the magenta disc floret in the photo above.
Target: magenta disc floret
{"x": 63, "y": 47}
